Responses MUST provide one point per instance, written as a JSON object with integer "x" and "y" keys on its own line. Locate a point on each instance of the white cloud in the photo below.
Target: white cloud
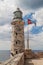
{"x": 4, "y": 45}
{"x": 36, "y": 42}
{"x": 5, "y": 28}
{"x": 39, "y": 16}
{"x": 6, "y": 9}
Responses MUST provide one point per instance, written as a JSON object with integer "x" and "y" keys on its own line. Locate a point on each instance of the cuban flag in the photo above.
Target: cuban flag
{"x": 29, "y": 19}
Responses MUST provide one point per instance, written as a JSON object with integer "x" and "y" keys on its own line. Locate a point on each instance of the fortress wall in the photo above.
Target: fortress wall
{"x": 16, "y": 60}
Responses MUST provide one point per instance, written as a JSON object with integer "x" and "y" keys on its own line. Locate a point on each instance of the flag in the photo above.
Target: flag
{"x": 35, "y": 23}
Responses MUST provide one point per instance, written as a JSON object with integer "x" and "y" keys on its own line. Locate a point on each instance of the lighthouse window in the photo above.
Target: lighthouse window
{"x": 16, "y": 33}
{"x": 16, "y": 42}
{"x": 16, "y": 52}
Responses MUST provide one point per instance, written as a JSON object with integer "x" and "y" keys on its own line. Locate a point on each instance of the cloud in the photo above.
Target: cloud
{"x": 4, "y": 45}
{"x": 5, "y": 32}
{"x": 7, "y": 8}
{"x": 1, "y": 0}
{"x": 5, "y": 28}
{"x": 30, "y": 4}
{"x": 36, "y": 41}
{"x": 39, "y": 16}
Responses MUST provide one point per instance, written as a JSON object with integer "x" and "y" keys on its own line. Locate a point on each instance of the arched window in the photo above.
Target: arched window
{"x": 16, "y": 42}
{"x": 16, "y": 52}
{"x": 16, "y": 33}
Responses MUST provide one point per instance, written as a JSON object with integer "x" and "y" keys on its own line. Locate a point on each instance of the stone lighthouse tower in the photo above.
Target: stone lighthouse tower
{"x": 17, "y": 39}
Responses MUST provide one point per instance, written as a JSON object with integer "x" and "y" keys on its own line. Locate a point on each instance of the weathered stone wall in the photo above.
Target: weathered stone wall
{"x": 17, "y": 41}
{"x": 29, "y": 54}
{"x": 16, "y": 60}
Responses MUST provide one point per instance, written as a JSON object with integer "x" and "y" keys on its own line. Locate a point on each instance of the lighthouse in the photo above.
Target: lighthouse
{"x": 17, "y": 33}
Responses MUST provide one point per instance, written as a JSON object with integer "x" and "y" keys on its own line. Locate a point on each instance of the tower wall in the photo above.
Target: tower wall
{"x": 17, "y": 42}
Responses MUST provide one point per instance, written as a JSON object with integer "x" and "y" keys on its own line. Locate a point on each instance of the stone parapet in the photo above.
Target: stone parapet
{"x": 29, "y": 54}
{"x": 16, "y": 60}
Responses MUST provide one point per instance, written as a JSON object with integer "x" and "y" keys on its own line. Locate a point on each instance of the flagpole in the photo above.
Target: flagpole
{"x": 28, "y": 22}
{"x": 27, "y": 37}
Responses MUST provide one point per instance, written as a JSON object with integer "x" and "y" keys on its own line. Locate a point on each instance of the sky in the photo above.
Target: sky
{"x": 32, "y": 9}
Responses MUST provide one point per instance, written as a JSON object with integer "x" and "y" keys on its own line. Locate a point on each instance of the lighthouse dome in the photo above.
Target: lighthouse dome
{"x": 17, "y": 14}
